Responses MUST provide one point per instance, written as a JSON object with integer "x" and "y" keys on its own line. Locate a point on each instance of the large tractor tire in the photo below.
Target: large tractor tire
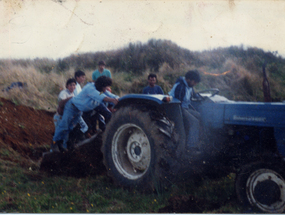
{"x": 262, "y": 186}
{"x": 136, "y": 153}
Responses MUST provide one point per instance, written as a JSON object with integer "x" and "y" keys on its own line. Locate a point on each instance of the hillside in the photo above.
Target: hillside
{"x": 236, "y": 71}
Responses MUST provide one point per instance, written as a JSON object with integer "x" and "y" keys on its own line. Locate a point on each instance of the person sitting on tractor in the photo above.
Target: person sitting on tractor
{"x": 90, "y": 98}
{"x": 183, "y": 90}
{"x": 152, "y": 88}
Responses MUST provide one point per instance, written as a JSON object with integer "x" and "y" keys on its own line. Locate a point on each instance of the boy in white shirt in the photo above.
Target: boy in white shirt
{"x": 80, "y": 78}
{"x": 64, "y": 94}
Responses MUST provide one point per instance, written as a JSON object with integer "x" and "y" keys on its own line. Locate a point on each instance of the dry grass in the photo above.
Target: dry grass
{"x": 43, "y": 87}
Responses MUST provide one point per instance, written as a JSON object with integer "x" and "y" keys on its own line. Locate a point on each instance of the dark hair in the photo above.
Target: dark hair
{"x": 69, "y": 81}
{"x": 79, "y": 73}
{"x": 102, "y": 81}
{"x": 193, "y": 75}
{"x": 151, "y": 75}
{"x": 101, "y": 62}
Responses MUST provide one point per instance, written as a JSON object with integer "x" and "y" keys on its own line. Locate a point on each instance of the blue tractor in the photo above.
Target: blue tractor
{"x": 144, "y": 145}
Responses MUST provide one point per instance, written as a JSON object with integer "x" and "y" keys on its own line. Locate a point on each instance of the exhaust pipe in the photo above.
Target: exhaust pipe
{"x": 266, "y": 86}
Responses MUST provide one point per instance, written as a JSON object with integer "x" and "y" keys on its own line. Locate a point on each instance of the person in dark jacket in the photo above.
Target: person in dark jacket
{"x": 152, "y": 88}
{"x": 183, "y": 90}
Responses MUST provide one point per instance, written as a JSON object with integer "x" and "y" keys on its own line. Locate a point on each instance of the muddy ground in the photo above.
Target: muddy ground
{"x": 25, "y": 133}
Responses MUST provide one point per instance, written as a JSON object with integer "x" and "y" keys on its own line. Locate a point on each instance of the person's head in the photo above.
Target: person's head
{"x": 79, "y": 76}
{"x": 71, "y": 84}
{"x": 192, "y": 78}
{"x": 101, "y": 65}
{"x": 152, "y": 79}
{"x": 109, "y": 89}
{"x": 102, "y": 83}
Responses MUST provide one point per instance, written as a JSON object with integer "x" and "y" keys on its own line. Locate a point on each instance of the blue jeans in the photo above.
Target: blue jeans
{"x": 191, "y": 119}
{"x": 102, "y": 110}
{"x": 82, "y": 123}
{"x": 101, "y": 114}
{"x": 56, "y": 119}
{"x": 70, "y": 118}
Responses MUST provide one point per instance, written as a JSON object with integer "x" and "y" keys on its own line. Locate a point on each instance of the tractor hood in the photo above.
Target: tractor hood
{"x": 218, "y": 111}
{"x": 147, "y": 98}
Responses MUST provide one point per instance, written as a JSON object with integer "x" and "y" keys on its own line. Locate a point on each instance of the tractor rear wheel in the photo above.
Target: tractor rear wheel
{"x": 135, "y": 152}
{"x": 262, "y": 186}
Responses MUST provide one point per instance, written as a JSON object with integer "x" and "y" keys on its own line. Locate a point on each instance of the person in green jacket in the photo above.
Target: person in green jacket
{"x": 101, "y": 71}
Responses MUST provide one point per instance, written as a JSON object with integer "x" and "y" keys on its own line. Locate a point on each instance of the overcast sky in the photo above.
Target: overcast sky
{"x": 56, "y": 29}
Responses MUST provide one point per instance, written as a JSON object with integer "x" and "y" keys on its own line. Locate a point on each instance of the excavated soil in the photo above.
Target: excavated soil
{"x": 26, "y": 133}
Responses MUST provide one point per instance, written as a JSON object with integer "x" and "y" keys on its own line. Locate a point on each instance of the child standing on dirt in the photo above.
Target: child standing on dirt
{"x": 90, "y": 98}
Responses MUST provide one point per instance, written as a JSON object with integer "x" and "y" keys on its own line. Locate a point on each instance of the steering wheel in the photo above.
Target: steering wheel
{"x": 213, "y": 91}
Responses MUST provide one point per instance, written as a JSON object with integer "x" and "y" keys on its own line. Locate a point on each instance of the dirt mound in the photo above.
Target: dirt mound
{"x": 25, "y": 133}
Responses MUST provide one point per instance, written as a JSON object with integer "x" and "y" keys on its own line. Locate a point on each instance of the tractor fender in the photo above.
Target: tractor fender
{"x": 157, "y": 102}
{"x": 145, "y": 99}
{"x": 169, "y": 121}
